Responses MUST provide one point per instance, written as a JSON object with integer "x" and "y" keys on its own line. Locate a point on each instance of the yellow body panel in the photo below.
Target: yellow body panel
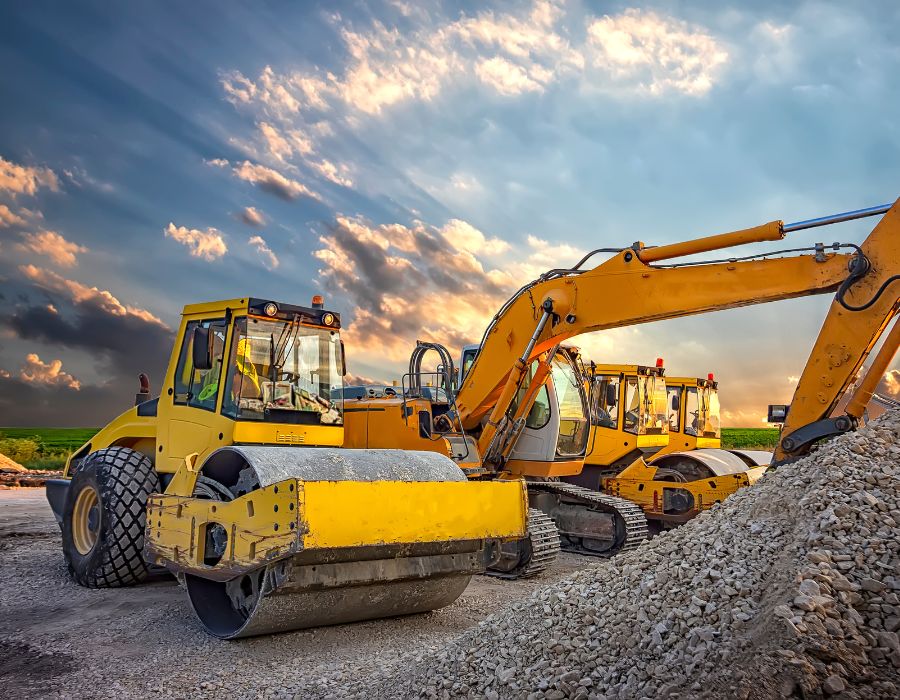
{"x": 525, "y": 467}
{"x": 388, "y": 512}
{"x": 294, "y": 516}
{"x": 637, "y": 484}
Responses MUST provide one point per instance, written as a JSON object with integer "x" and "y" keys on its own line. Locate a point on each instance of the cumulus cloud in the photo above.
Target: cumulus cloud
{"x": 463, "y": 236}
{"x": 273, "y": 182}
{"x": 9, "y": 218}
{"x": 409, "y": 282}
{"x": 207, "y": 244}
{"x": 121, "y": 340}
{"x": 252, "y": 217}
{"x": 47, "y": 373}
{"x": 890, "y": 384}
{"x": 653, "y": 53}
{"x": 79, "y": 294}
{"x": 54, "y": 246}
{"x": 262, "y": 248}
{"x": 18, "y": 179}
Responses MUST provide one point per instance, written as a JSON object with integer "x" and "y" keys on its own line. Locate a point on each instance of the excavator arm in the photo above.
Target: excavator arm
{"x": 632, "y": 288}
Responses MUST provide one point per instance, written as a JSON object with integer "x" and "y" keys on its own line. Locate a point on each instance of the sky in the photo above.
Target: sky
{"x": 415, "y": 162}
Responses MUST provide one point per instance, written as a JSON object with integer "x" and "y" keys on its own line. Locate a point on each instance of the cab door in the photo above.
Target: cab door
{"x": 194, "y": 423}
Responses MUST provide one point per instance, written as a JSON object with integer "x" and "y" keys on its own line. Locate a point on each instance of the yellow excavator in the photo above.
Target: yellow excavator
{"x": 483, "y": 416}
{"x": 235, "y": 480}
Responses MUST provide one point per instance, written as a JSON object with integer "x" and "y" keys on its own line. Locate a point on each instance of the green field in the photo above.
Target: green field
{"x": 53, "y": 439}
{"x": 749, "y": 438}
{"x": 43, "y": 448}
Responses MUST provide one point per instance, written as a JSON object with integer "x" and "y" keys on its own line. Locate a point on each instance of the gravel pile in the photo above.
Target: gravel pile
{"x": 790, "y": 588}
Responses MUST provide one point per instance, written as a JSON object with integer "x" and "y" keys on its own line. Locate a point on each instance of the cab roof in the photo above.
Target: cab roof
{"x": 263, "y": 307}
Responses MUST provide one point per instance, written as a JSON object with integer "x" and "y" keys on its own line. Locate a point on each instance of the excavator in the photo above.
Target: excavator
{"x": 483, "y": 416}
{"x": 235, "y": 480}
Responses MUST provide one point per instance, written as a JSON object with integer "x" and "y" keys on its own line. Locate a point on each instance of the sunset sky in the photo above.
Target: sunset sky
{"x": 415, "y": 162}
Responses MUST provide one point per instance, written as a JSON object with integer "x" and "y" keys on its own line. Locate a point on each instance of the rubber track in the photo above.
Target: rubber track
{"x": 544, "y": 539}
{"x": 126, "y": 478}
{"x": 636, "y": 530}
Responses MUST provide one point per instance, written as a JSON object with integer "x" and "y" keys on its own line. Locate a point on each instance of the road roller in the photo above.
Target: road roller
{"x": 235, "y": 479}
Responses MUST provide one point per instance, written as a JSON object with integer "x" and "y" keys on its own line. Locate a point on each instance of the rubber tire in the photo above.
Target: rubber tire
{"x": 124, "y": 480}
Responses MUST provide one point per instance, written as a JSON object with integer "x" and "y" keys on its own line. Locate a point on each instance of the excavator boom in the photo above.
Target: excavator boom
{"x": 565, "y": 303}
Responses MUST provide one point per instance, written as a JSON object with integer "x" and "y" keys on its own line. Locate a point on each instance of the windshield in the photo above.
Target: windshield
{"x": 711, "y": 424}
{"x": 702, "y": 417}
{"x": 646, "y": 402}
{"x": 573, "y": 422}
{"x": 284, "y": 372}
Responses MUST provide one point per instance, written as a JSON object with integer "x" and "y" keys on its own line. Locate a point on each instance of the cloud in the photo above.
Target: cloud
{"x": 510, "y": 53}
{"x": 9, "y": 218}
{"x": 23, "y": 179}
{"x": 80, "y": 294}
{"x": 208, "y": 244}
{"x": 793, "y": 379}
{"x": 649, "y": 52}
{"x": 121, "y": 341}
{"x": 273, "y": 182}
{"x": 50, "y": 374}
{"x": 507, "y": 78}
{"x": 463, "y": 236}
{"x": 408, "y": 282}
{"x": 51, "y": 244}
{"x": 252, "y": 217}
{"x": 264, "y": 251}
{"x": 890, "y": 384}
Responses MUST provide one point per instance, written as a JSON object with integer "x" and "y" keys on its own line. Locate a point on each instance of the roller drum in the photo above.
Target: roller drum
{"x": 338, "y": 586}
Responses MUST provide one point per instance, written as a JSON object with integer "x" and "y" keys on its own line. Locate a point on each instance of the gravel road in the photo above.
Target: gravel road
{"x": 60, "y": 640}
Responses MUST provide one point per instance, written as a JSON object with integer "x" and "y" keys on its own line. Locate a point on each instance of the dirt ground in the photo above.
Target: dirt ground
{"x": 60, "y": 640}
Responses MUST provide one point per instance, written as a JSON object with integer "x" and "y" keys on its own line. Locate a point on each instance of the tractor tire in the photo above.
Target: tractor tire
{"x": 104, "y": 518}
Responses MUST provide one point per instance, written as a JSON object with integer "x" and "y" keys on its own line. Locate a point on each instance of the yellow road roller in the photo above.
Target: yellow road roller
{"x": 234, "y": 479}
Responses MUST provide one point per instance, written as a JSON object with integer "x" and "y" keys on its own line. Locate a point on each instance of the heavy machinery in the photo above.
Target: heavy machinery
{"x": 235, "y": 480}
{"x": 675, "y": 478}
{"x": 479, "y": 424}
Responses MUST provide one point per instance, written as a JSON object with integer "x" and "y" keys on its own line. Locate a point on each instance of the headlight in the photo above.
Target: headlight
{"x": 327, "y": 319}
{"x": 271, "y": 308}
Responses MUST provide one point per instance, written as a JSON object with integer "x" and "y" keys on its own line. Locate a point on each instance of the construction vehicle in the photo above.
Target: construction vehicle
{"x": 484, "y": 415}
{"x": 234, "y": 479}
{"x": 689, "y": 454}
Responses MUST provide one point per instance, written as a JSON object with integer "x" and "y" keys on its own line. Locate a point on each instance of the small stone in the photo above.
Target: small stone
{"x": 871, "y": 585}
{"x": 833, "y": 684}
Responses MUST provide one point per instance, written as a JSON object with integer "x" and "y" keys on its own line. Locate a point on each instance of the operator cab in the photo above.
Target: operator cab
{"x": 693, "y": 412}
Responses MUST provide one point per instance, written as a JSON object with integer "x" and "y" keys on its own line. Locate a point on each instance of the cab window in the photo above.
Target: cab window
{"x": 196, "y": 387}
{"x": 674, "y": 398}
{"x": 605, "y": 412}
{"x": 632, "y": 405}
{"x": 539, "y": 414}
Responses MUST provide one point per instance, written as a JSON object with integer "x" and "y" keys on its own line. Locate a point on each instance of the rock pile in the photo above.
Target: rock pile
{"x": 13, "y": 474}
{"x": 789, "y": 588}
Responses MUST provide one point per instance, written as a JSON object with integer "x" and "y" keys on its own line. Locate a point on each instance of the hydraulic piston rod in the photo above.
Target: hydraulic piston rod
{"x": 837, "y": 218}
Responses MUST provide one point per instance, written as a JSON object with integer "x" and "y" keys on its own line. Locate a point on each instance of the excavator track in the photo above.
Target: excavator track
{"x": 622, "y": 525}
{"x": 529, "y": 557}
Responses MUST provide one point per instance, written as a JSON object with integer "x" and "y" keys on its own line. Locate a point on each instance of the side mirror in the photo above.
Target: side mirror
{"x": 612, "y": 394}
{"x": 201, "y": 355}
{"x": 676, "y": 403}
